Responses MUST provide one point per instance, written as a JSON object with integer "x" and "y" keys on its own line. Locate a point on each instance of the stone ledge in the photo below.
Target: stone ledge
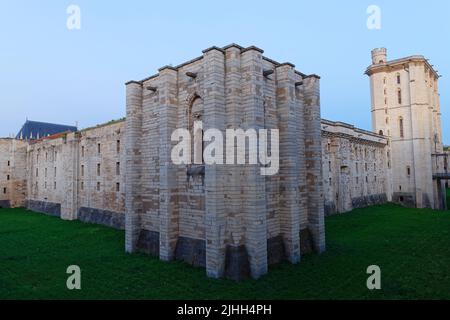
{"x": 365, "y": 201}
{"x": 5, "y": 204}
{"x": 306, "y": 242}
{"x": 275, "y": 250}
{"x": 148, "y": 242}
{"x": 104, "y": 217}
{"x": 52, "y": 209}
{"x": 237, "y": 264}
{"x": 191, "y": 251}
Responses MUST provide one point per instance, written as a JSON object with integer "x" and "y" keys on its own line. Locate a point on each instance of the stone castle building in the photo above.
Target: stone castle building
{"x": 406, "y": 108}
{"x": 230, "y": 219}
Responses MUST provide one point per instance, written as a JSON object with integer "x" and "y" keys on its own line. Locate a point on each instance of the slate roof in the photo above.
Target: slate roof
{"x": 33, "y": 130}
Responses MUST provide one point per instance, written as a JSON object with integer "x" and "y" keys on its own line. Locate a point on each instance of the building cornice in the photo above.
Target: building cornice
{"x": 399, "y": 63}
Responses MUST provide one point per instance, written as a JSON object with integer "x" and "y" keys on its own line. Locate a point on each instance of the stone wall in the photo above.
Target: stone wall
{"x": 12, "y": 172}
{"x": 79, "y": 175}
{"x": 101, "y": 179}
{"x": 354, "y": 167}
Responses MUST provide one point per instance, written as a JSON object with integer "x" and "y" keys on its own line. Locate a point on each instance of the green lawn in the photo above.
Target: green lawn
{"x": 411, "y": 246}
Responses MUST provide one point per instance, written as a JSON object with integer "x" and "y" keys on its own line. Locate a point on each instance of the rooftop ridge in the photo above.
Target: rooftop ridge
{"x": 222, "y": 49}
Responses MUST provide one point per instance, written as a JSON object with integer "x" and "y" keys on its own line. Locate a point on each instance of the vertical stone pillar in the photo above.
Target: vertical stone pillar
{"x": 214, "y": 117}
{"x": 168, "y": 210}
{"x": 233, "y": 112}
{"x": 289, "y": 208}
{"x": 253, "y": 192}
{"x": 313, "y": 153}
{"x": 133, "y": 203}
{"x": 70, "y": 201}
{"x": 421, "y": 137}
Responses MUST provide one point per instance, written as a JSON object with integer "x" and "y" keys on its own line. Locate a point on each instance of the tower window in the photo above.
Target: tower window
{"x": 118, "y": 168}
{"x": 196, "y": 114}
{"x": 398, "y": 78}
{"x": 9, "y": 163}
{"x": 408, "y": 170}
{"x": 82, "y": 170}
{"x": 118, "y": 146}
{"x": 118, "y": 187}
{"x": 4, "y": 190}
{"x": 99, "y": 148}
{"x": 400, "y": 123}
{"x": 98, "y": 186}
{"x": 82, "y": 151}
{"x": 98, "y": 169}
{"x": 8, "y": 177}
{"x": 399, "y": 96}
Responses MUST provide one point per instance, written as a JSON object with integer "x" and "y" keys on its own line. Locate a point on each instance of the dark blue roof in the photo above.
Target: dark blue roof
{"x": 32, "y": 130}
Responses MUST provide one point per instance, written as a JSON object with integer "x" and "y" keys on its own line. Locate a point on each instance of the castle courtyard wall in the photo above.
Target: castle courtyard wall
{"x": 354, "y": 167}
{"x": 79, "y": 175}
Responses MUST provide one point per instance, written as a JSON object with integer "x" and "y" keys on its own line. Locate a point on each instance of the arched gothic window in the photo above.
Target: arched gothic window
{"x": 195, "y": 117}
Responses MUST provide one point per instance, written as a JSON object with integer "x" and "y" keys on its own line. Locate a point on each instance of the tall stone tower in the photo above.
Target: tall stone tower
{"x": 406, "y": 109}
{"x": 227, "y": 218}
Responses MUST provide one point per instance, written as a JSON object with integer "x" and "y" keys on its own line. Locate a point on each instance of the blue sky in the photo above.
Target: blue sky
{"x": 49, "y": 73}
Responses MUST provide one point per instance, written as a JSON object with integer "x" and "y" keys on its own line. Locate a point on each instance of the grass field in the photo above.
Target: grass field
{"x": 412, "y": 248}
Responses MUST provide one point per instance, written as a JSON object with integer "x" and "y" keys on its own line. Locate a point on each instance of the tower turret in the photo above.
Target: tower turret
{"x": 379, "y": 56}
